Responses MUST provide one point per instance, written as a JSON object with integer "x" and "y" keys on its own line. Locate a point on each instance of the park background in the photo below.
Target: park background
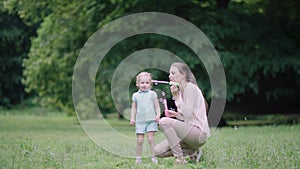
{"x": 257, "y": 41}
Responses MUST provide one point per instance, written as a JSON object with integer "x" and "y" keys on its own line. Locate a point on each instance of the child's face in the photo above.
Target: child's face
{"x": 144, "y": 83}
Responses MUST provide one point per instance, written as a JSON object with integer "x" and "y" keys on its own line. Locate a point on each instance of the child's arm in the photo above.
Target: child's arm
{"x": 157, "y": 109}
{"x": 133, "y": 113}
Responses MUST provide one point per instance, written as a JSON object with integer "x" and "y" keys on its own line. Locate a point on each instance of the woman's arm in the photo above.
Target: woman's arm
{"x": 190, "y": 98}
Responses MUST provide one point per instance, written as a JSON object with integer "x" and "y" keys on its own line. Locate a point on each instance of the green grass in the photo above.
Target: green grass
{"x": 235, "y": 119}
{"x": 56, "y": 141}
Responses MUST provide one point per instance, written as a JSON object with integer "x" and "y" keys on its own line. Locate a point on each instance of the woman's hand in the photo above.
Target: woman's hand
{"x": 174, "y": 90}
{"x": 171, "y": 113}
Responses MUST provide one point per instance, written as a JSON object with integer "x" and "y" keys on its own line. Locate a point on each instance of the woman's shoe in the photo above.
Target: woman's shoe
{"x": 194, "y": 156}
{"x": 181, "y": 160}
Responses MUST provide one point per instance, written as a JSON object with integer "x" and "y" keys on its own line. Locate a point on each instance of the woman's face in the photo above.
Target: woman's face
{"x": 175, "y": 75}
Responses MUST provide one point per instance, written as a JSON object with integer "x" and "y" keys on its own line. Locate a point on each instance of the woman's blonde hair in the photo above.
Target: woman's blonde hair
{"x": 185, "y": 70}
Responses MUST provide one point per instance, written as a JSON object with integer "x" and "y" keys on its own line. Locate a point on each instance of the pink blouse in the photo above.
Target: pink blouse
{"x": 192, "y": 107}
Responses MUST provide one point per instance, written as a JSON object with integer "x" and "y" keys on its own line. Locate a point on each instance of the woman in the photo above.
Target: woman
{"x": 190, "y": 129}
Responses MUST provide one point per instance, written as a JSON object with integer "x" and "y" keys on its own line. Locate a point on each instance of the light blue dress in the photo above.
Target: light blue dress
{"x": 145, "y": 105}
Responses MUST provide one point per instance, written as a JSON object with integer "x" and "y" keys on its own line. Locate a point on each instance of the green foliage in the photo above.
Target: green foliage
{"x": 53, "y": 53}
{"x": 259, "y": 48}
{"x": 14, "y": 46}
{"x": 255, "y": 48}
{"x": 31, "y": 12}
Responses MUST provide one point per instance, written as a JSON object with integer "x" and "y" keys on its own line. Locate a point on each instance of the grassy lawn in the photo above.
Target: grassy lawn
{"x": 56, "y": 141}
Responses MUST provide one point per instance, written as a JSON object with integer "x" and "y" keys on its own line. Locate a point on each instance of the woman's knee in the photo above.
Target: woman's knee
{"x": 164, "y": 122}
{"x": 160, "y": 148}
{"x": 156, "y": 151}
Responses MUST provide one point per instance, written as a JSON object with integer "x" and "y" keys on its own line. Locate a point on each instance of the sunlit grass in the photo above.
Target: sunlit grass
{"x": 29, "y": 141}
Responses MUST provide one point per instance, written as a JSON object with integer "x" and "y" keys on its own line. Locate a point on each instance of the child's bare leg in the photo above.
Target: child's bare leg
{"x": 139, "y": 144}
{"x": 152, "y": 145}
{"x": 151, "y": 141}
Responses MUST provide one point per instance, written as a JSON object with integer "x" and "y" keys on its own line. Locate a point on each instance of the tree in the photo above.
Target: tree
{"x": 260, "y": 54}
{"x": 14, "y": 47}
{"x": 254, "y": 46}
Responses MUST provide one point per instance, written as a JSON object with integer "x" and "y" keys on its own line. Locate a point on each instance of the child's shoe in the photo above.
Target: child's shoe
{"x": 154, "y": 160}
{"x": 138, "y": 160}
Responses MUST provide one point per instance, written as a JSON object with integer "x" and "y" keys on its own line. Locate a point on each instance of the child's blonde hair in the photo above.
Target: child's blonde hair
{"x": 138, "y": 77}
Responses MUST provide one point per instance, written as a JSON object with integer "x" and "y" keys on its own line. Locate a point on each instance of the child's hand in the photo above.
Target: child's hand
{"x": 132, "y": 122}
{"x": 157, "y": 118}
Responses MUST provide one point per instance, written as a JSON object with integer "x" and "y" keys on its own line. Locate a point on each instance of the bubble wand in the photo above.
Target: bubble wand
{"x": 165, "y": 104}
{"x": 164, "y": 100}
{"x": 165, "y": 82}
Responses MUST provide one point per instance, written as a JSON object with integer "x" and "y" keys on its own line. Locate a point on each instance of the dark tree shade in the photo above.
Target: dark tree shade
{"x": 257, "y": 41}
{"x": 14, "y": 46}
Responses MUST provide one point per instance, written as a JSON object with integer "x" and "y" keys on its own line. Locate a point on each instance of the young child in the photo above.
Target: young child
{"x": 145, "y": 114}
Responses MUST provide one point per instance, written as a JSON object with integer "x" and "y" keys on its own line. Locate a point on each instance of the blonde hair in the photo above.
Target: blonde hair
{"x": 185, "y": 70}
{"x": 138, "y": 77}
